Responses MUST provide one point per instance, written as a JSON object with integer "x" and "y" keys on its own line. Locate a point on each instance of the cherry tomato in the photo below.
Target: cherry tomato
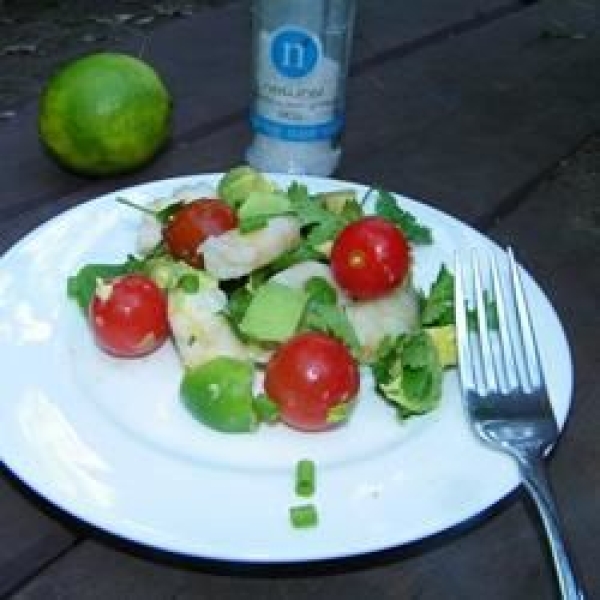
{"x": 128, "y": 316}
{"x": 312, "y": 378}
{"x": 369, "y": 258}
{"x": 193, "y": 223}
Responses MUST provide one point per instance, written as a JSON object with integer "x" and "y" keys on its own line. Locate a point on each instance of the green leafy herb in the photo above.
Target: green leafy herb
{"x": 339, "y": 413}
{"x": 323, "y": 314}
{"x": 300, "y": 253}
{"x": 437, "y": 308}
{"x": 163, "y": 215}
{"x": 491, "y": 313}
{"x": 189, "y": 283}
{"x": 266, "y": 410}
{"x": 387, "y": 207}
{"x": 309, "y": 210}
{"x": 320, "y": 290}
{"x": 82, "y": 286}
{"x": 326, "y": 230}
{"x": 408, "y": 373}
{"x": 237, "y": 305}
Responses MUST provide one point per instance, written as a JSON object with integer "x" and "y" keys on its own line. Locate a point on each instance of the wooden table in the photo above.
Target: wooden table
{"x": 465, "y": 104}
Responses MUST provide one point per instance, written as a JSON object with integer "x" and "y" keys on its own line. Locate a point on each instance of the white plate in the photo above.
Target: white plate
{"x": 109, "y": 441}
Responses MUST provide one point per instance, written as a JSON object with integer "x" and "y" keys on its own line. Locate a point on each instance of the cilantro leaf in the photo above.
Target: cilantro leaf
{"x": 437, "y": 308}
{"x": 387, "y": 207}
{"x": 323, "y": 314}
{"x": 491, "y": 313}
{"x": 237, "y": 305}
{"x": 82, "y": 286}
{"x": 303, "y": 252}
{"x": 163, "y": 215}
{"x": 333, "y": 321}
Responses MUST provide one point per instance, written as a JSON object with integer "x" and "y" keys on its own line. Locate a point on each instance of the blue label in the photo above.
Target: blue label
{"x": 296, "y": 133}
{"x": 294, "y": 52}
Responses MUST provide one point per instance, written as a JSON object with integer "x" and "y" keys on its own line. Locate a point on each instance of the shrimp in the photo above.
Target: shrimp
{"x": 200, "y": 331}
{"x": 392, "y": 315}
{"x": 150, "y": 231}
{"x": 233, "y": 254}
{"x": 297, "y": 275}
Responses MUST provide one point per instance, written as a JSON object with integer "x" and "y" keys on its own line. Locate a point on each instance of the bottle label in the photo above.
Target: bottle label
{"x": 297, "y": 87}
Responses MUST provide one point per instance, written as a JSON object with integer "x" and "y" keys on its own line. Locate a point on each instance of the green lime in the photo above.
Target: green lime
{"x": 104, "y": 114}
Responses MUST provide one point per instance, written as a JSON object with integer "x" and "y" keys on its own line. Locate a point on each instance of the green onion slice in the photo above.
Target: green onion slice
{"x": 305, "y": 478}
{"x": 304, "y": 515}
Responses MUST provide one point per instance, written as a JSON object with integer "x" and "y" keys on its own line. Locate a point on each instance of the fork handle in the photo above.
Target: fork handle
{"x": 533, "y": 474}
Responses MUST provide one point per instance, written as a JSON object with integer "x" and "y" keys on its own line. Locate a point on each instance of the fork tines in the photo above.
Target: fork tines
{"x": 497, "y": 350}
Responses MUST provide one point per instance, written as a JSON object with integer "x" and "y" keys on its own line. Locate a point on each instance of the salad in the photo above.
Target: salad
{"x": 275, "y": 300}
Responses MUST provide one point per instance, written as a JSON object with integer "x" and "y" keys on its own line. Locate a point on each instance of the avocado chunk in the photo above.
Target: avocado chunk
{"x": 336, "y": 201}
{"x": 219, "y": 393}
{"x": 264, "y": 204}
{"x": 240, "y": 181}
{"x": 444, "y": 340}
{"x": 274, "y": 312}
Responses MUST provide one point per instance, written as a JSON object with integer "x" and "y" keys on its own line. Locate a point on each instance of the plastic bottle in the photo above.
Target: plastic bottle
{"x": 301, "y": 52}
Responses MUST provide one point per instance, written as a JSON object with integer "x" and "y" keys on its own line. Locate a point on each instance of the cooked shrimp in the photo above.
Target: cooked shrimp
{"x": 200, "y": 330}
{"x": 297, "y": 275}
{"x": 392, "y": 314}
{"x": 234, "y": 254}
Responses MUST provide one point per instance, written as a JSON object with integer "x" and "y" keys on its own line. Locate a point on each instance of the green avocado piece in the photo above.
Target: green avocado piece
{"x": 238, "y": 182}
{"x": 264, "y": 204}
{"x": 444, "y": 340}
{"x": 219, "y": 393}
{"x": 335, "y": 201}
{"x": 274, "y": 312}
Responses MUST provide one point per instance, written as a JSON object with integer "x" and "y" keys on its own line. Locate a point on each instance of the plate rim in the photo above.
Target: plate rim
{"x": 179, "y": 181}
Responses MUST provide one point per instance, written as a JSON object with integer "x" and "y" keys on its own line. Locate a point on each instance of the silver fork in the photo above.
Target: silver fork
{"x": 505, "y": 392}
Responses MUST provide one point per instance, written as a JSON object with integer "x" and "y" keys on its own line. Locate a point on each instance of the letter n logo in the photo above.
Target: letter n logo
{"x": 294, "y": 52}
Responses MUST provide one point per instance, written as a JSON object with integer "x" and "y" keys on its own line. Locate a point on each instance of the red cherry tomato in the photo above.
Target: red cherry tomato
{"x": 128, "y": 316}
{"x": 312, "y": 378}
{"x": 193, "y": 223}
{"x": 370, "y": 257}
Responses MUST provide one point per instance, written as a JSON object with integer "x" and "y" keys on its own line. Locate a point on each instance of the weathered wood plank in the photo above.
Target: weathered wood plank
{"x": 465, "y": 124}
{"x": 29, "y": 538}
{"x": 469, "y": 122}
{"x": 205, "y": 61}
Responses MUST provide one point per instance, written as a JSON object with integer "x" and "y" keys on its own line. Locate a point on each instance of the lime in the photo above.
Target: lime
{"x": 104, "y": 114}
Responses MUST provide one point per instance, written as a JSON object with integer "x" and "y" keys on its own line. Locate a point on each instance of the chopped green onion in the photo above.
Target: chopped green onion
{"x": 305, "y": 478}
{"x": 304, "y": 515}
{"x": 189, "y": 283}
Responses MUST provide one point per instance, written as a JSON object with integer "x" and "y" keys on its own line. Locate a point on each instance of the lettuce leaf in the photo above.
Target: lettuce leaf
{"x": 408, "y": 373}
